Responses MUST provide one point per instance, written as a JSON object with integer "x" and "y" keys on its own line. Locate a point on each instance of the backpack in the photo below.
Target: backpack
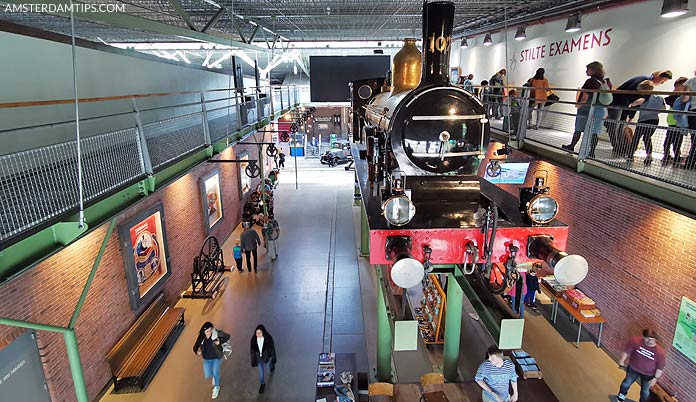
{"x": 605, "y": 98}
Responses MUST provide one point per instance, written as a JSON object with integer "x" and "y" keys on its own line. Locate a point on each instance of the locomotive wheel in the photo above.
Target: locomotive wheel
{"x": 252, "y": 170}
{"x": 494, "y": 279}
{"x": 271, "y": 150}
{"x": 210, "y": 258}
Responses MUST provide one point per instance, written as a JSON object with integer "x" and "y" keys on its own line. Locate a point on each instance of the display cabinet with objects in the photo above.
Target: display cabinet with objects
{"x": 431, "y": 313}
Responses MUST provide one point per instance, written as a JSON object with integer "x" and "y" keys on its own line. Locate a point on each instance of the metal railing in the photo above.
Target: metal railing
{"x": 654, "y": 148}
{"x": 40, "y": 185}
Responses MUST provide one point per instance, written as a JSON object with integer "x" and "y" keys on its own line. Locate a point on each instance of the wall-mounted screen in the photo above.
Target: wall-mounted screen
{"x": 330, "y": 75}
{"x": 509, "y": 173}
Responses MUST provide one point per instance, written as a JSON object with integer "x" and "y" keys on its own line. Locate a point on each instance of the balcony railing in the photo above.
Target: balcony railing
{"x": 138, "y": 136}
{"x": 652, "y": 151}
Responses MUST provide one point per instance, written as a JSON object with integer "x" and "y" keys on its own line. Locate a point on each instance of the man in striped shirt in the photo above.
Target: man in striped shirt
{"x": 495, "y": 376}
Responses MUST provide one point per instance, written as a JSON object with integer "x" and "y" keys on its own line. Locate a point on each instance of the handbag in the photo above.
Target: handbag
{"x": 551, "y": 99}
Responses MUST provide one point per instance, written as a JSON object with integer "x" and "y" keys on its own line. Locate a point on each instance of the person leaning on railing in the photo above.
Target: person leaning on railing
{"x": 677, "y": 123}
{"x": 648, "y": 120}
{"x": 691, "y": 159}
{"x": 595, "y": 72}
{"x": 619, "y": 114}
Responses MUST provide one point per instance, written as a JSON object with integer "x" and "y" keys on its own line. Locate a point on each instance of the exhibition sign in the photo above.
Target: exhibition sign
{"x": 145, "y": 254}
{"x": 211, "y": 199}
{"x": 685, "y": 333}
{"x": 21, "y": 374}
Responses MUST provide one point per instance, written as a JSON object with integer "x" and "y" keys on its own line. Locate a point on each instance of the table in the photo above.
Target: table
{"x": 437, "y": 396}
{"x": 576, "y": 315}
{"x": 344, "y": 362}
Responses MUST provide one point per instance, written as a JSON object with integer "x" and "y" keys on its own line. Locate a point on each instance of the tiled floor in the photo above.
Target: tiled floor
{"x": 289, "y": 296}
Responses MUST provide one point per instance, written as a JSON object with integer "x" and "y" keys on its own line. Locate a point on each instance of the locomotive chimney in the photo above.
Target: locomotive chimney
{"x": 438, "y": 19}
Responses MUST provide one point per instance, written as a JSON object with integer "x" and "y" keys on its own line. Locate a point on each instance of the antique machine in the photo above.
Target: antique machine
{"x": 424, "y": 143}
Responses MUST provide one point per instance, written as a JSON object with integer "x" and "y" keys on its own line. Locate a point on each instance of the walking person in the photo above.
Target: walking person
{"x": 646, "y": 360}
{"x": 262, "y": 353}
{"x": 497, "y": 92}
{"x": 250, "y": 241}
{"x": 540, "y": 87}
{"x": 281, "y": 160}
{"x": 495, "y": 375}
{"x": 209, "y": 346}
{"x": 596, "y": 80}
{"x": 647, "y": 121}
{"x": 237, "y": 253}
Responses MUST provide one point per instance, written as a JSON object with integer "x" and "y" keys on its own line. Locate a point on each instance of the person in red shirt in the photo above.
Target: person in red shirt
{"x": 646, "y": 360}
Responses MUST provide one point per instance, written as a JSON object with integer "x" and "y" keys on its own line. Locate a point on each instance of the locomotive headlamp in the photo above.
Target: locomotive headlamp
{"x": 535, "y": 202}
{"x": 542, "y": 209}
{"x": 398, "y": 210}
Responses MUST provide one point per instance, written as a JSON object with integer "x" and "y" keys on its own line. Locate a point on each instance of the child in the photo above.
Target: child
{"x": 532, "y": 289}
{"x": 677, "y": 122}
{"x": 237, "y": 251}
{"x": 647, "y": 121}
{"x": 514, "y": 111}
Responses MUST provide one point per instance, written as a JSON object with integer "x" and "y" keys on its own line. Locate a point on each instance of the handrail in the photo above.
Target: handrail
{"x": 8, "y": 105}
{"x": 613, "y": 91}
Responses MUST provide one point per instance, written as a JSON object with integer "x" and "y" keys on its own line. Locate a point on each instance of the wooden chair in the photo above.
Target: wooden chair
{"x": 380, "y": 391}
{"x": 432, "y": 382}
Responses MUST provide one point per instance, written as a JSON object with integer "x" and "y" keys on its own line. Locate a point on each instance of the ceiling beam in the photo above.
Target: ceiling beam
{"x": 183, "y": 14}
{"x": 141, "y": 24}
{"x": 213, "y": 20}
{"x": 253, "y": 34}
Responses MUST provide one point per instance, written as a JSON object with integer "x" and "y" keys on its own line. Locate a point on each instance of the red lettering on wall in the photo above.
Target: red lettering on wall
{"x": 566, "y": 49}
{"x": 585, "y": 40}
{"x": 607, "y": 38}
{"x": 597, "y": 39}
{"x": 575, "y": 45}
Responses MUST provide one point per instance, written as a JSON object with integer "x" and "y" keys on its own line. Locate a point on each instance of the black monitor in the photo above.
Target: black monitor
{"x": 330, "y": 75}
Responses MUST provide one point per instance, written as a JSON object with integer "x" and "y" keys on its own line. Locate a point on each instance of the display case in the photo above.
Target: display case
{"x": 431, "y": 313}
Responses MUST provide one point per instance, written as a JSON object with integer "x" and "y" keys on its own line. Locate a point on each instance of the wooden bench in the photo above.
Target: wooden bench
{"x": 139, "y": 353}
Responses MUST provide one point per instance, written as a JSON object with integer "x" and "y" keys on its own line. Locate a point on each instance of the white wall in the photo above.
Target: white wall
{"x": 640, "y": 42}
{"x": 35, "y": 69}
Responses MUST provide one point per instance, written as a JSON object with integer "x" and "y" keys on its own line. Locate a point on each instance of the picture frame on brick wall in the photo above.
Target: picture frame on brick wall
{"x": 244, "y": 180}
{"x": 145, "y": 254}
{"x": 211, "y": 199}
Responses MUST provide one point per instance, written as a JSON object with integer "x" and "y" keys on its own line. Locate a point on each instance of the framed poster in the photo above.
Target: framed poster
{"x": 245, "y": 181}
{"x": 211, "y": 199}
{"x": 145, "y": 254}
{"x": 685, "y": 332}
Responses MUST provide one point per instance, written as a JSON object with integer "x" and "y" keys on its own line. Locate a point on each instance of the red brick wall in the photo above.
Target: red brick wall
{"x": 48, "y": 292}
{"x": 641, "y": 259}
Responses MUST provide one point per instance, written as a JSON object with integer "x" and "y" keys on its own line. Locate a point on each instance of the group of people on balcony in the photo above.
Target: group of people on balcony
{"x": 615, "y": 111}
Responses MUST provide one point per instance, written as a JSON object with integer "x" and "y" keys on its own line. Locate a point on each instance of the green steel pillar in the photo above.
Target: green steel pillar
{"x": 453, "y": 328}
{"x": 76, "y": 366}
{"x": 384, "y": 335}
{"x": 364, "y": 233}
{"x": 356, "y": 192}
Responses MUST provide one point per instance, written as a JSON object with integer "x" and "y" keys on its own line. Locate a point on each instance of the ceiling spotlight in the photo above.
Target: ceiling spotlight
{"x": 487, "y": 40}
{"x": 464, "y": 45}
{"x": 521, "y": 33}
{"x": 573, "y": 24}
{"x": 674, "y": 8}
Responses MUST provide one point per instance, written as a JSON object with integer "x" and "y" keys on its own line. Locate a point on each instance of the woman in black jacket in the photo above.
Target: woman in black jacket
{"x": 262, "y": 353}
{"x": 209, "y": 346}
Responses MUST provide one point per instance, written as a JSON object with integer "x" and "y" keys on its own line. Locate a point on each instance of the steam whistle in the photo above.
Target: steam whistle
{"x": 406, "y": 272}
{"x": 568, "y": 269}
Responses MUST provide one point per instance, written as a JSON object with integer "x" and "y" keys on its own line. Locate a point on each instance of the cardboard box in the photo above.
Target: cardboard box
{"x": 583, "y": 305}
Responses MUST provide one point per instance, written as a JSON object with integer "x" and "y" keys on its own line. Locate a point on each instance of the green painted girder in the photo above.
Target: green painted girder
{"x": 141, "y": 24}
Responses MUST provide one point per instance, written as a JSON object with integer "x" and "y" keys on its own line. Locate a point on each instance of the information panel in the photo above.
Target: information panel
{"x": 21, "y": 374}
{"x": 685, "y": 333}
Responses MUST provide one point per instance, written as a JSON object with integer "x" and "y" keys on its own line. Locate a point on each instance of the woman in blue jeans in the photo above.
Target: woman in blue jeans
{"x": 262, "y": 353}
{"x": 595, "y": 72}
{"x": 209, "y": 347}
